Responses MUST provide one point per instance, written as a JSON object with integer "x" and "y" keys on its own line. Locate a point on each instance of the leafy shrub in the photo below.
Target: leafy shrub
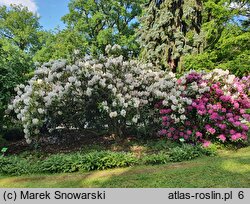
{"x": 15, "y": 166}
{"x": 188, "y": 152}
{"x": 66, "y": 163}
{"x": 110, "y": 93}
{"x": 13, "y": 134}
{"x": 106, "y": 159}
{"x": 97, "y": 160}
{"x": 154, "y": 159}
{"x": 208, "y": 106}
{"x": 107, "y": 92}
{"x": 59, "y": 163}
{"x": 161, "y": 145}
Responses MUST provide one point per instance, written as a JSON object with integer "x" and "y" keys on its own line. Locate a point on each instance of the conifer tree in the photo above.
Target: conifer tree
{"x": 170, "y": 28}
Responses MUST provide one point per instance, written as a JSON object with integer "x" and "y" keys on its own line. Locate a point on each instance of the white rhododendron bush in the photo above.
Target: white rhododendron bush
{"x": 92, "y": 93}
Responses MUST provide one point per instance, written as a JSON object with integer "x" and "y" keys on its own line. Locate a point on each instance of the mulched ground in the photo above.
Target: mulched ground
{"x": 69, "y": 141}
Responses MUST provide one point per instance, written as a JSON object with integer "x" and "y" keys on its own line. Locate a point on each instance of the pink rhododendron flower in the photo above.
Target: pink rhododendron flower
{"x": 223, "y": 110}
{"x": 222, "y": 137}
{"x": 244, "y": 127}
{"x": 172, "y": 129}
{"x": 206, "y": 143}
{"x": 211, "y": 130}
{"x": 165, "y": 118}
{"x": 234, "y": 138}
{"x": 236, "y": 105}
{"x": 198, "y": 134}
{"x": 237, "y": 123}
{"x": 163, "y": 132}
{"x": 214, "y": 116}
{"x": 242, "y": 111}
{"x": 169, "y": 135}
{"x": 232, "y": 132}
{"x": 222, "y": 126}
{"x": 176, "y": 137}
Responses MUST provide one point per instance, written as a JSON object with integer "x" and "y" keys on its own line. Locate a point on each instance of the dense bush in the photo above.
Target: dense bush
{"x": 13, "y": 134}
{"x": 188, "y": 152}
{"x": 108, "y": 92}
{"x": 154, "y": 159}
{"x": 16, "y": 166}
{"x": 14, "y": 66}
{"x": 113, "y": 94}
{"x": 214, "y": 109}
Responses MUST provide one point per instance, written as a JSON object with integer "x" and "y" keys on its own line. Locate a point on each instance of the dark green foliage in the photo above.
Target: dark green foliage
{"x": 104, "y": 22}
{"x": 59, "y": 163}
{"x": 155, "y": 159}
{"x": 106, "y": 159}
{"x": 13, "y": 134}
{"x": 19, "y": 30}
{"x": 197, "y": 35}
{"x": 169, "y": 30}
{"x": 2, "y": 140}
{"x": 95, "y": 160}
{"x": 230, "y": 52}
{"x": 15, "y": 166}
{"x": 14, "y": 65}
{"x": 65, "y": 163}
{"x": 19, "y": 26}
{"x": 188, "y": 152}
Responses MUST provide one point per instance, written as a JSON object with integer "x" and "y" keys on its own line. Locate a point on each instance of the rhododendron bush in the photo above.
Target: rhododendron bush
{"x": 93, "y": 93}
{"x": 112, "y": 94}
{"x": 215, "y": 110}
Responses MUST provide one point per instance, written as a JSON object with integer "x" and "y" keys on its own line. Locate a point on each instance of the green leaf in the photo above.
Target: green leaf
{"x": 4, "y": 149}
{"x": 182, "y": 140}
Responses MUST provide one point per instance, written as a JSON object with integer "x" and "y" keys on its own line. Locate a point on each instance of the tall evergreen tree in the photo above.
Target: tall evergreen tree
{"x": 170, "y": 28}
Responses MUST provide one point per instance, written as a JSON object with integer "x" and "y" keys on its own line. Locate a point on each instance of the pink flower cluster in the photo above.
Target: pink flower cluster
{"x": 217, "y": 114}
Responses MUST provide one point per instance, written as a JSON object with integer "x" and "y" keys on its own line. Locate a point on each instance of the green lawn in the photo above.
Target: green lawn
{"x": 229, "y": 169}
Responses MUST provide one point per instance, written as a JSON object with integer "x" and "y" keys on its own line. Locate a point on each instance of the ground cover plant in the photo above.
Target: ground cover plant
{"x": 89, "y": 159}
{"x": 205, "y": 172}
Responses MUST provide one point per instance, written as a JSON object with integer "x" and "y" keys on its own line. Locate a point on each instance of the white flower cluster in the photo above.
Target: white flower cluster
{"x": 181, "y": 95}
{"x": 226, "y": 79}
{"x": 194, "y": 84}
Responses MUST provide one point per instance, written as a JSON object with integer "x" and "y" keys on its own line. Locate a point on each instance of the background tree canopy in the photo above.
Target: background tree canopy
{"x": 91, "y": 26}
{"x": 19, "y": 34}
{"x": 105, "y": 22}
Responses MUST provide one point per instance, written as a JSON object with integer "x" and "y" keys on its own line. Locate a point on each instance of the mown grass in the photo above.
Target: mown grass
{"x": 231, "y": 169}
